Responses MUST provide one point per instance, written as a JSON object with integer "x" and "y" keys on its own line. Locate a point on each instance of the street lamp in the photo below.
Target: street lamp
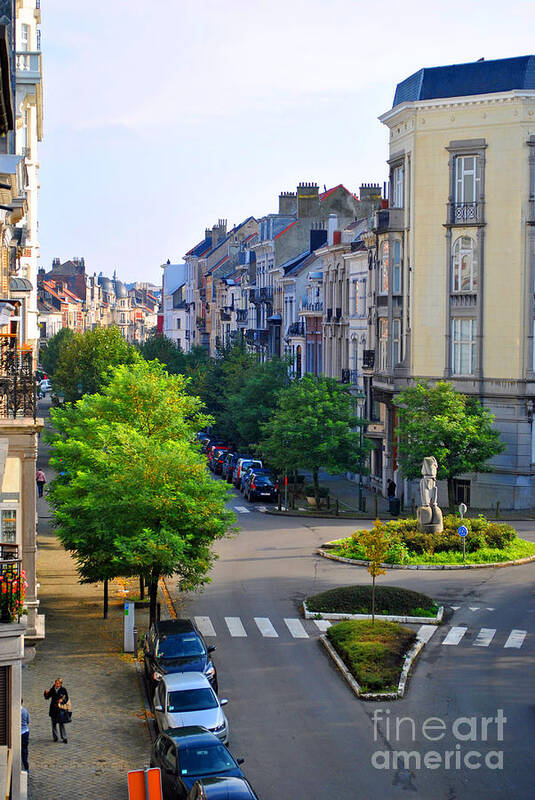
{"x": 360, "y": 399}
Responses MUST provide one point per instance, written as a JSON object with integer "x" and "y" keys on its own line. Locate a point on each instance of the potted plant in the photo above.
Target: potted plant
{"x": 13, "y": 587}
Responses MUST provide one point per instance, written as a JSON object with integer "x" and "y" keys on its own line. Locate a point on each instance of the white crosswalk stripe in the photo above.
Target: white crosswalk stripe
{"x": 323, "y": 624}
{"x": 472, "y": 608}
{"x": 426, "y": 632}
{"x": 263, "y": 509}
{"x": 235, "y": 627}
{"x": 455, "y": 608}
{"x": 265, "y": 627}
{"x": 242, "y": 510}
{"x": 484, "y": 637}
{"x": 516, "y": 639}
{"x": 205, "y": 626}
{"x": 296, "y": 628}
{"x": 455, "y": 635}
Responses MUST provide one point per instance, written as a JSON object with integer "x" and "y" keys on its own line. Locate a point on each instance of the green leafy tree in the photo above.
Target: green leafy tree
{"x": 50, "y": 353}
{"x": 376, "y": 543}
{"x": 165, "y": 350}
{"x": 312, "y": 427}
{"x": 133, "y": 496}
{"x": 83, "y": 363}
{"x": 454, "y": 428}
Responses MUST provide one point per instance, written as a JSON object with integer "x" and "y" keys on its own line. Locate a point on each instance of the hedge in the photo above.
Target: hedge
{"x": 358, "y": 600}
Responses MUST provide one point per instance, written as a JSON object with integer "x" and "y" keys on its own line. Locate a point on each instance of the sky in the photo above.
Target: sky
{"x": 162, "y": 117}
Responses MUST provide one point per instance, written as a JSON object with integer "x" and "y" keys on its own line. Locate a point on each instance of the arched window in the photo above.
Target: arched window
{"x": 464, "y": 265}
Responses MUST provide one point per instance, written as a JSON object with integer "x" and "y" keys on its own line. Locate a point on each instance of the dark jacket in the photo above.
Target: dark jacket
{"x": 55, "y": 695}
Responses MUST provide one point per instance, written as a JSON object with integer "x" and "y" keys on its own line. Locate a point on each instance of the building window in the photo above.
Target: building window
{"x": 383, "y": 344}
{"x": 466, "y": 179}
{"x": 385, "y": 266}
{"x": 463, "y": 342}
{"x": 8, "y": 522}
{"x": 396, "y": 342}
{"x": 178, "y": 323}
{"x": 24, "y": 37}
{"x": 319, "y": 348}
{"x": 464, "y": 265}
{"x": 310, "y": 357}
{"x": 397, "y": 187}
{"x": 396, "y": 267}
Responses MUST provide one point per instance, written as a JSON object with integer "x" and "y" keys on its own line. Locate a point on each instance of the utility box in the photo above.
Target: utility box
{"x": 129, "y": 622}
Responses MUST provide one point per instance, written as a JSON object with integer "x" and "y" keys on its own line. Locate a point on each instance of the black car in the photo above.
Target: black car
{"x": 176, "y": 646}
{"x": 260, "y": 486}
{"x": 187, "y": 754}
{"x": 222, "y": 789}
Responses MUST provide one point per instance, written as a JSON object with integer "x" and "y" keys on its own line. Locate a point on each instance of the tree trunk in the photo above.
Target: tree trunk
{"x": 153, "y": 596}
{"x": 451, "y": 495}
{"x": 105, "y": 600}
{"x": 316, "y": 488}
{"x": 373, "y": 599}
{"x": 141, "y": 587}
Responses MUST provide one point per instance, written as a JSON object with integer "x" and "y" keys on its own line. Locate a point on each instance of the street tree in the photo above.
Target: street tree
{"x": 84, "y": 360}
{"x": 50, "y": 353}
{"x": 314, "y": 426}
{"x": 165, "y": 350}
{"x": 376, "y": 543}
{"x": 133, "y": 496}
{"x": 436, "y": 420}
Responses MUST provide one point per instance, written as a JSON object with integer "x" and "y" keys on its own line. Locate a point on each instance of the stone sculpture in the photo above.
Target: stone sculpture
{"x": 428, "y": 513}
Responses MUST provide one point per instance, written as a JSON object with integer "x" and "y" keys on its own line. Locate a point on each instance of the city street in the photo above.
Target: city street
{"x": 297, "y": 724}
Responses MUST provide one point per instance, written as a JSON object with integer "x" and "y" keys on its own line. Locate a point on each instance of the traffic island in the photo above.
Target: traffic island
{"x": 392, "y": 604}
{"x": 374, "y": 658}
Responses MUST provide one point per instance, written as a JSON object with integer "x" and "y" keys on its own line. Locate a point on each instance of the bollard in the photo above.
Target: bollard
{"x": 135, "y": 642}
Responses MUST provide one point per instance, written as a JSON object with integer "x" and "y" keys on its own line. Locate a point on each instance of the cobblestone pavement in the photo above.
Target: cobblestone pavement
{"x": 108, "y": 735}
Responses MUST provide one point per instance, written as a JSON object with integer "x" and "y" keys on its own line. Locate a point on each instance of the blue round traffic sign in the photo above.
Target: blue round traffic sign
{"x": 462, "y": 530}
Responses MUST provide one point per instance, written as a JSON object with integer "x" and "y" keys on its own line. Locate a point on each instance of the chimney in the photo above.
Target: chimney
{"x": 308, "y": 202}
{"x": 219, "y": 232}
{"x": 55, "y": 262}
{"x": 370, "y": 191}
{"x": 332, "y": 225}
{"x": 287, "y": 203}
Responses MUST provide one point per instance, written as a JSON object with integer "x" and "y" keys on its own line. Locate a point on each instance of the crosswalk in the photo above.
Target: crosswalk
{"x": 244, "y": 510}
{"x": 295, "y": 628}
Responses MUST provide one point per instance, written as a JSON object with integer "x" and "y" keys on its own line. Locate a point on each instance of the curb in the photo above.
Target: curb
{"x": 308, "y": 515}
{"x": 361, "y": 563}
{"x": 383, "y": 617}
{"x": 410, "y": 658}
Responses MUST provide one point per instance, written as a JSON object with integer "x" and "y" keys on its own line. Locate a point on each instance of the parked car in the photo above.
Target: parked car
{"x": 226, "y": 463}
{"x": 214, "y": 453}
{"x": 44, "y": 386}
{"x": 222, "y": 789}
{"x": 186, "y": 755}
{"x": 232, "y": 465}
{"x": 242, "y": 464}
{"x": 186, "y": 698}
{"x": 261, "y": 487}
{"x": 250, "y": 468}
{"x": 176, "y": 646}
{"x": 218, "y": 459}
{"x": 248, "y": 474}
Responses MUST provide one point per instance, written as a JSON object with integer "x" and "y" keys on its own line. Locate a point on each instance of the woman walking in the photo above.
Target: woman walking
{"x": 40, "y": 480}
{"x": 57, "y": 712}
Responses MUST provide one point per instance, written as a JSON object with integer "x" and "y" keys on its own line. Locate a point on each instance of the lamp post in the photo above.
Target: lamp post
{"x": 360, "y": 399}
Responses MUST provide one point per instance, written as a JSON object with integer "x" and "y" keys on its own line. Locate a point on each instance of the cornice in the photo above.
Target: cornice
{"x": 495, "y": 98}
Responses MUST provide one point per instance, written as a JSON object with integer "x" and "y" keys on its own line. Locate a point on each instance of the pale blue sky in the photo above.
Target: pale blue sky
{"x": 163, "y": 116}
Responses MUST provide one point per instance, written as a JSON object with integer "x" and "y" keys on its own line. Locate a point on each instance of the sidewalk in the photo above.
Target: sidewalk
{"x": 108, "y": 735}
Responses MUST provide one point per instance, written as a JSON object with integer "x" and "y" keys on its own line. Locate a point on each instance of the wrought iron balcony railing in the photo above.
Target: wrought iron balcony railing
{"x": 465, "y": 212}
{"x": 307, "y": 305}
{"x": 18, "y": 388}
{"x": 296, "y": 329}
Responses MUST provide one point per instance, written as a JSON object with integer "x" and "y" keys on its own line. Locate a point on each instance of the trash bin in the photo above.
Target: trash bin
{"x": 394, "y": 506}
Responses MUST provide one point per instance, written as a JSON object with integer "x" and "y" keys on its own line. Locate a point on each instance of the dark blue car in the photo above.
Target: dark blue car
{"x": 222, "y": 789}
{"x": 186, "y": 755}
{"x": 176, "y": 645}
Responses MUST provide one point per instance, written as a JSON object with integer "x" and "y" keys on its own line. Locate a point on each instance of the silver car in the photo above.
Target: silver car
{"x": 186, "y": 698}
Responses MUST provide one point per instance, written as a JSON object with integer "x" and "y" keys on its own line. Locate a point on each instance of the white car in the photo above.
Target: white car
{"x": 45, "y": 386}
{"x": 186, "y": 698}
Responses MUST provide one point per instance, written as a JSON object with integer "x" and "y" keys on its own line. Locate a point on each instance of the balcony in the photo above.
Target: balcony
{"x": 225, "y": 316}
{"x": 241, "y": 315}
{"x": 387, "y": 219}
{"x": 12, "y": 589}
{"x": 28, "y": 67}
{"x": 17, "y": 380}
{"x": 465, "y": 213}
{"x": 253, "y": 297}
{"x": 307, "y": 305}
{"x": 296, "y": 329}
{"x": 263, "y": 295}
{"x": 368, "y": 359}
{"x": 200, "y": 323}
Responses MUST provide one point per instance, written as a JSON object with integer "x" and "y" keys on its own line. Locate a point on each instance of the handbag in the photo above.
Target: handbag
{"x": 65, "y": 708}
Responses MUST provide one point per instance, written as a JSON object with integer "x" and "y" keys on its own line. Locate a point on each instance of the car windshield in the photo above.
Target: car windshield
{"x": 191, "y": 700}
{"x": 211, "y": 760}
{"x": 180, "y": 646}
{"x": 262, "y": 480}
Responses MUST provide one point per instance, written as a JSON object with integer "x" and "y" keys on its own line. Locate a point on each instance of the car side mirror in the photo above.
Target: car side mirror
{"x": 158, "y": 708}
{"x": 211, "y": 648}
{"x": 240, "y": 761}
{"x": 223, "y": 702}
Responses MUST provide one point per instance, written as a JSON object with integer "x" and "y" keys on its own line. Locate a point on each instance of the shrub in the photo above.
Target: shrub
{"x": 323, "y": 491}
{"x": 357, "y": 599}
{"x": 499, "y": 535}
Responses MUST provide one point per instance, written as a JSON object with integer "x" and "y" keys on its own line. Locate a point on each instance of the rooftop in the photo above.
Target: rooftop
{"x": 461, "y": 80}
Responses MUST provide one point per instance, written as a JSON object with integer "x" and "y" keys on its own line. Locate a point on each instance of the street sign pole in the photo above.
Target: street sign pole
{"x": 462, "y": 530}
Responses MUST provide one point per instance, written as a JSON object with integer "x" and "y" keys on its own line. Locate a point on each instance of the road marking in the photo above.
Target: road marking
{"x": 516, "y": 639}
{"x": 455, "y": 635}
{"x": 265, "y": 627}
{"x": 205, "y": 626}
{"x": 473, "y": 608}
{"x": 242, "y": 509}
{"x": 323, "y": 624}
{"x": 296, "y": 628}
{"x": 455, "y": 608}
{"x": 490, "y": 609}
{"x": 263, "y": 509}
{"x": 235, "y": 627}
{"x": 425, "y": 632}
{"x": 484, "y": 637}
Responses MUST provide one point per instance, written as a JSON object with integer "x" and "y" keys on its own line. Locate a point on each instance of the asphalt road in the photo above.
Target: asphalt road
{"x": 301, "y": 730}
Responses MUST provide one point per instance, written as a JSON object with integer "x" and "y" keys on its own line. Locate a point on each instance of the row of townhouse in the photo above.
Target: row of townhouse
{"x": 433, "y": 278}
{"x": 69, "y": 297}
{"x": 21, "y": 128}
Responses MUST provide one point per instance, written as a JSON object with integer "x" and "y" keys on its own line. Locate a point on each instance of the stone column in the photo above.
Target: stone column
{"x": 28, "y": 527}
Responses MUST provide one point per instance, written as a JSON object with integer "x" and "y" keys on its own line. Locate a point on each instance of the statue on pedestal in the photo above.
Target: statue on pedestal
{"x": 428, "y": 513}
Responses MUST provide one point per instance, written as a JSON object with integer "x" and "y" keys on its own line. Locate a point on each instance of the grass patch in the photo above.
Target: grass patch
{"x": 374, "y": 654}
{"x": 358, "y": 600}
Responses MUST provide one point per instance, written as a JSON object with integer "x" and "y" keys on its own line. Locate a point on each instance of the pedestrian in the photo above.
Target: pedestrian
{"x": 41, "y": 480}
{"x": 24, "y": 734}
{"x": 57, "y": 712}
{"x": 391, "y": 488}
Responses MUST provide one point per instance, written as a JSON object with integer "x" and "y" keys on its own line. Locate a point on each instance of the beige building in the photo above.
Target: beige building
{"x": 455, "y": 256}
